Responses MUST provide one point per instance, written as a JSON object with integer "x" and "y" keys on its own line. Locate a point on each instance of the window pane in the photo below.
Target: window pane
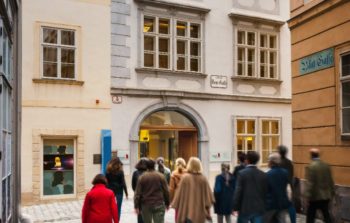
{"x": 251, "y": 126}
{"x": 274, "y": 142}
{"x": 263, "y": 40}
{"x": 251, "y": 55}
{"x": 273, "y": 72}
{"x": 274, "y": 127}
{"x": 181, "y": 63}
{"x": 272, "y": 57}
{"x": 273, "y": 42}
{"x": 164, "y": 61}
{"x": 194, "y": 64}
{"x": 67, "y": 70}
{"x": 195, "y": 49}
{"x": 263, "y": 56}
{"x": 240, "y": 70}
{"x": 263, "y": 71}
{"x": 250, "y": 143}
{"x": 251, "y": 38}
{"x": 240, "y": 145}
{"x": 164, "y": 45}
{"x": 148, "y": 60}
{"x": 50, "y": 54}
{"x": 265, "y": 156}
{"x": 181, "y": 28}
{"x": 195, "y": 30}
{"x": 251, "y": 72}
{"x": 49, "y": 35}
{"x": 346, "y": 120}
{"x": 149, "y": 43}
{"x": 181, "y": 47}
{"x": 265, "y": 142}
{"x": 265, "y": 127}
{"x": 148, "y": 25}
{"x": 67, "y": 56}
{"x": 67, "y": 37}
{"x": 346, "y": 94}
{"x": 241, "y": 37}
{"x": 49, "y": 69}
{"x": 240, "y": 126}
{"x": 241, "y": 54}
{"x": 345, "y": 62}
{"x": 164, "y": 26}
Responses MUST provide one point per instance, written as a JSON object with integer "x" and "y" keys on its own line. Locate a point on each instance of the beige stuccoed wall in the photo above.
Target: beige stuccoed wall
{"x": 65, "y": 109}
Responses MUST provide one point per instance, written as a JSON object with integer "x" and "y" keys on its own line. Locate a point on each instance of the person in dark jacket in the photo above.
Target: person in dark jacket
{"x": 250, "y": 193}
{"x": 99, "y": 204}
{"x": 141, "y": 168}
{"x": 241, "y": 165}
{"x": 151, "y": 195}
{"x": 116, "y": 181}
{"x": 223, "y": 193}
{"x": 277, "y": 198}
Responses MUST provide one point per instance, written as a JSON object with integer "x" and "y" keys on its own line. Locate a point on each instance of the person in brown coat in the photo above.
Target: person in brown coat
{"x": 194, "y": 197}
{"x": 180, "y": 165}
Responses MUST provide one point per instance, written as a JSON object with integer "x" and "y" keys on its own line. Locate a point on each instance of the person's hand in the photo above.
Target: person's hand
{"x": 235, "y": 213}
{"x": 137, "y": 211}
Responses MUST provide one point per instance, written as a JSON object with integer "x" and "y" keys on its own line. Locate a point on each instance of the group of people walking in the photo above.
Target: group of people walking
{"x": 248, "y": 192}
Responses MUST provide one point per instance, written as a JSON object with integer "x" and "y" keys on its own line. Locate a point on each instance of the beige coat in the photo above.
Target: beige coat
{"x": 193, "y": 198}
{"x": 174, "y": 182}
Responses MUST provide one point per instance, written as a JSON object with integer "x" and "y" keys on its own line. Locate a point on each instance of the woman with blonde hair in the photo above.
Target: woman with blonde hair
{"x": 193, "y": 197}
{"x": 180, "y": 170}
{"x": 116, "y": 181}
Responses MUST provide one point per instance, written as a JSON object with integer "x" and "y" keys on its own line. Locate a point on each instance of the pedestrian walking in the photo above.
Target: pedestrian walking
{"x": 250, "y": 192}
{"x": 277, "y": 198}
{"x": 223, "y": 193}
{"x": 319, "y": 187}
{"x": 152, "y": 195}
{"x": 160, "y": 167}
{"x": 194, "y": 197}
{"x": 241, "y": 165}
{"x": 99, "y": 204}
{"x": 116, "y": 181}
{"x": 180, "y": 170}
{"x": 287, "y": 164}
{"x": 141, "y": 167}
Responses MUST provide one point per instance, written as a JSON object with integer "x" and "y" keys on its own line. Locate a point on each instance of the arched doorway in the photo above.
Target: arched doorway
{"x": 169, "y": 134}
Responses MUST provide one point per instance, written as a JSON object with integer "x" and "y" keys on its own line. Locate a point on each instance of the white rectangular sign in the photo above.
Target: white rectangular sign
{"x": 217, "y": 81}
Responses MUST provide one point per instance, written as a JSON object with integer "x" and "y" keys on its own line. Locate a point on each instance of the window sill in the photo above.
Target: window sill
{"x": 345, "y": 137}
{"x": 257, "y": 80}
{"x": 57, "y": 81}
{"x": 170, "y": 72}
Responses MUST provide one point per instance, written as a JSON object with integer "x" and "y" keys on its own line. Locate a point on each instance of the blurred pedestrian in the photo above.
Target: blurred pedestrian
{"x": 151, "y": 195}
{"x": 277, "y": 198}
{"x": 141, "y": 167}
{"x": 287, "y": 164}
{"x": 250, "y": 193}
{"x": 116, "y": 181}
{"x": 160, "y": 167}
{"x": 319, "y": 187}
{"x": 241, "y": 165}
{"x": 193, "y": 198}
{"x": 223, "y": 193}
{"x": 180, "y": 170}
{"x": 99, "y": 204}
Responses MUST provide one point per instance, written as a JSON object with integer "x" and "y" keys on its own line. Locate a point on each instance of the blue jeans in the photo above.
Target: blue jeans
{"x": 119, "y": 203}
{"x": 292, "y": 214}
{"x": 252, "y": 218}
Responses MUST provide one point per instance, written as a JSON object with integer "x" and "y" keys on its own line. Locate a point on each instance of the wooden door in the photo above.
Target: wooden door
{"x": 188, "y": 145}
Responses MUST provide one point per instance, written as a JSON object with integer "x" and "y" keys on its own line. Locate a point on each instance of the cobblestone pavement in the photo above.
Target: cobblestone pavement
{"x": 70, "y": 212}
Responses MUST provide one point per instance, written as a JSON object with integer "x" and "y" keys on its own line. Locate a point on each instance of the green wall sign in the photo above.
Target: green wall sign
{"x": 317, "y": 61}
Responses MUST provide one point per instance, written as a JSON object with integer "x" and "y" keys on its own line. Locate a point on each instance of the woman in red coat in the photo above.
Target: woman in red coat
{"x": 100, "y": 205}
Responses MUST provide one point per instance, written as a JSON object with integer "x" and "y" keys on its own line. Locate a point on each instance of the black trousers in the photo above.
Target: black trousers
{"x": 321, "y": 205}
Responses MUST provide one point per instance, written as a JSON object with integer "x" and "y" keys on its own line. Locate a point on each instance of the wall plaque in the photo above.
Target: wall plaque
{"x": 317, "y": 61}
{"x": 217, "y": 81}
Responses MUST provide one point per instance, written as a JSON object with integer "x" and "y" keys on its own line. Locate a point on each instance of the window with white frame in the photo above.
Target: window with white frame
{"x": 247, "y": 132}
{"x": 58, "y": 50}
{"x": 270, "y": 138}
{"x": 163, "y": 34}
{"x": 345, "y": 94}
{"x": 245, "y": 135}
{"x": 257, "y": 54}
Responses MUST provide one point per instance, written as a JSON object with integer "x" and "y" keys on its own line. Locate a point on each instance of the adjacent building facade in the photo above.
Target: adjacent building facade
{"x": 199, "y": 78}
{"x": 66, "y": 99}
{"x": 321, "y": 89}
{"x": 9, "y": 110}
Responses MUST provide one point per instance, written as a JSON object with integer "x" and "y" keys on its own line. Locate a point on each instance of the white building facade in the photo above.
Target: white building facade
{"x": 199, "y": 78}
